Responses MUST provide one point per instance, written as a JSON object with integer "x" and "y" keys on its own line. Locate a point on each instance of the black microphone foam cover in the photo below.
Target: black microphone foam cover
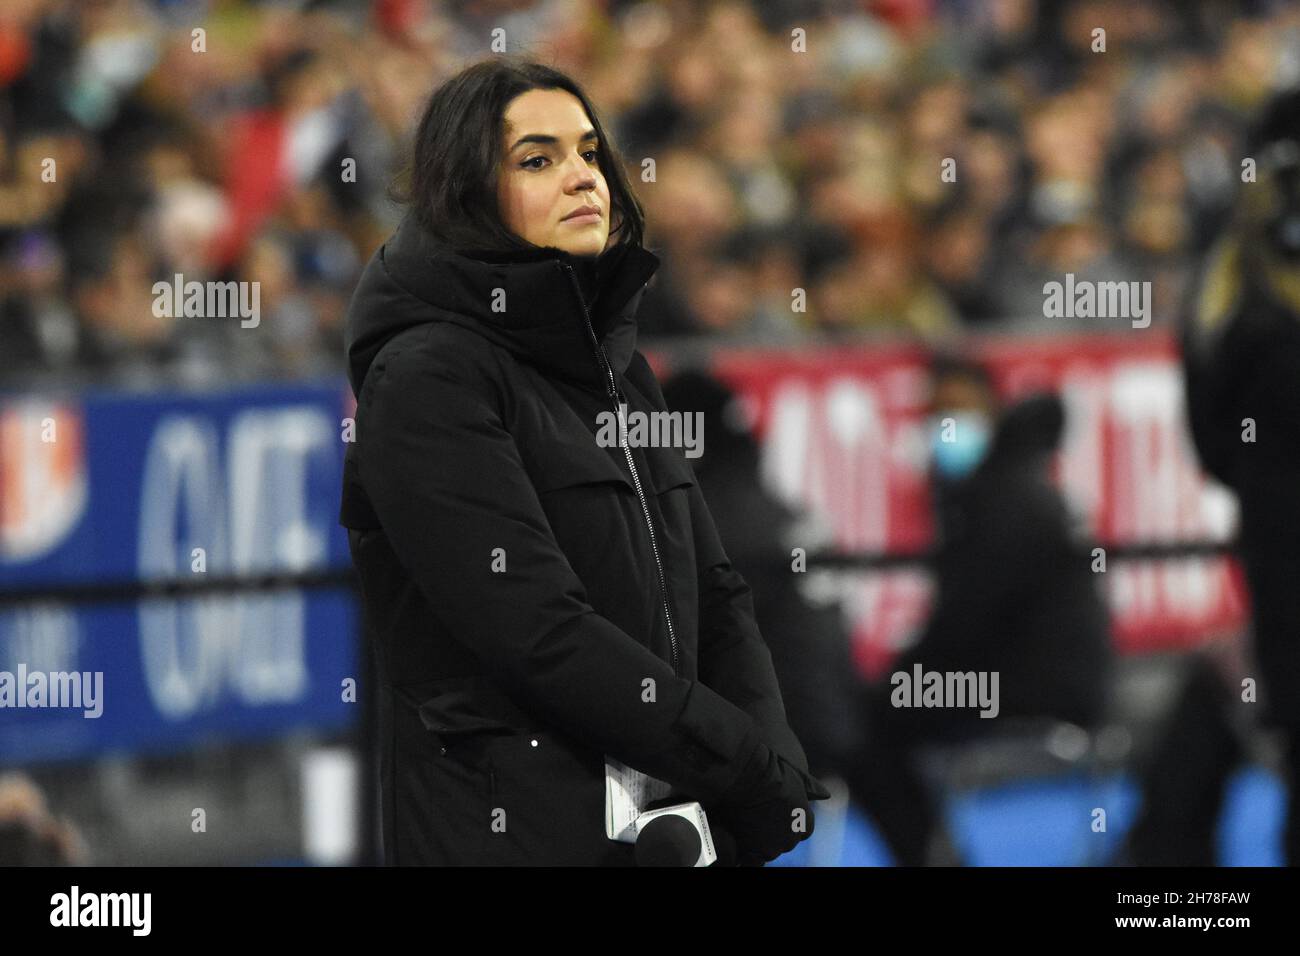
{"x": 668, "y": 840}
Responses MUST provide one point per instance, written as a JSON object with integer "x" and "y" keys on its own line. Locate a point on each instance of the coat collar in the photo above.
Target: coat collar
{"x": 529, "y": 302}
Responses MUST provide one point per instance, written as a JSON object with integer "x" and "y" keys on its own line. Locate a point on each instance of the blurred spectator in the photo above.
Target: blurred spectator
{"x": 1241, "y": 355}
{"x": 808, "y": 638}
{"x": 1014, "y": 596}
{"x": 1184, "y": 780}
{"x": 29, "y": 834}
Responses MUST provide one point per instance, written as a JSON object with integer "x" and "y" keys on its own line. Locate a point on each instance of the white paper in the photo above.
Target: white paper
{"x": 627, "y": 793}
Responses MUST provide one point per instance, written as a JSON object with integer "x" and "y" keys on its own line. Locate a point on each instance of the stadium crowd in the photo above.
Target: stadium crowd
{"x": 796, "y": 145}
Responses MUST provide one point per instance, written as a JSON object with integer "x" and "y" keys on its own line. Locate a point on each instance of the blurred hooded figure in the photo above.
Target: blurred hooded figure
{"x": 809, "y": 639}
{"x": 1241, "y": 355}
{"x": 1014, "y": 595}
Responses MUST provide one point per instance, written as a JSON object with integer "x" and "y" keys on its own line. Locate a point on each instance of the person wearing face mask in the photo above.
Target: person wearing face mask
{"x": 1014, "y": 594}
{"x": 540, "y": 602}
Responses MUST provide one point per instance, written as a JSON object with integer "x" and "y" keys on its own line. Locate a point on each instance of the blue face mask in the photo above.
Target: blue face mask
{"x": 968, "y": 440}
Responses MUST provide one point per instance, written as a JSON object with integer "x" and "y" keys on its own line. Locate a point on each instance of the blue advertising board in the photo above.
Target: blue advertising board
{"x": 103, "y": 487}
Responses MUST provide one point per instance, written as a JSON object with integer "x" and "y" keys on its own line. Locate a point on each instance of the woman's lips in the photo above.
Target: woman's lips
{"x": 585, "y": 219}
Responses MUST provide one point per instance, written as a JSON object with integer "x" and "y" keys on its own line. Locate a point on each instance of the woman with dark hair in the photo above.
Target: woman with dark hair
{"x": 541, "y": 604}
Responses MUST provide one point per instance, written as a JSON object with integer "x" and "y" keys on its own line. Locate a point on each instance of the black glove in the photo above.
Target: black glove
{"x": 758, "y": 809}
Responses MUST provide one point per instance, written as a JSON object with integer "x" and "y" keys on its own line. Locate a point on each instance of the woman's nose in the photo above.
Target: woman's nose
{"x": 584, "y": 177}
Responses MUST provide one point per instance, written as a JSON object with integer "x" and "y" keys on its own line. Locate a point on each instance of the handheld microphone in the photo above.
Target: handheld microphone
{"x": 680, "y": 835}
{"x": 668, "y": 840}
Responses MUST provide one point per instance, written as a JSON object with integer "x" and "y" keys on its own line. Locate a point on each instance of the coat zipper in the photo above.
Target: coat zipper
{"x": 617, "y": 397}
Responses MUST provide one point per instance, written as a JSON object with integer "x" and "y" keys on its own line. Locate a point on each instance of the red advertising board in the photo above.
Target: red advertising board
{"x": 842, "y": 434}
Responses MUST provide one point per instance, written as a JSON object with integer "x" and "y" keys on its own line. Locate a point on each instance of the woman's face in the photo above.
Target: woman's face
{"x": 550, "y": 170}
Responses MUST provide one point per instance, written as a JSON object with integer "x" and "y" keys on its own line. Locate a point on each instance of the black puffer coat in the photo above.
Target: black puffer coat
{"x": 535, "y": 602}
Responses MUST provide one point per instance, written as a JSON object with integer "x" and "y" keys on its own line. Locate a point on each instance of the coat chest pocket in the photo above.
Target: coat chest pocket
{"x": 574, "y": 464}
{"x": 668, "y": 470}
{"x": 462, "y": 713}
{"x": 571, "y": 464}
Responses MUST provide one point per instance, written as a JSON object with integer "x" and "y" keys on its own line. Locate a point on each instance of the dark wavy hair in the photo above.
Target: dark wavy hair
{"x": 450, "y": 182}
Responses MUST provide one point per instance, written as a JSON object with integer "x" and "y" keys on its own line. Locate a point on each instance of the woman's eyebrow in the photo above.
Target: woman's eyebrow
{"x": 543, "y": 138}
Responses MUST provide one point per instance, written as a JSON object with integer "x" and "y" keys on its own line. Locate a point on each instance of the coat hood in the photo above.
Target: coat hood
{"x": 413, "y": 279}
{"x": 1032, "y": 426}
